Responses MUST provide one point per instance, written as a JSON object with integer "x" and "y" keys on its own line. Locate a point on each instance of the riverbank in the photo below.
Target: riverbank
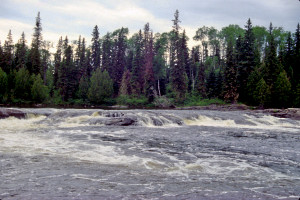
{"x": 292, "y": 113}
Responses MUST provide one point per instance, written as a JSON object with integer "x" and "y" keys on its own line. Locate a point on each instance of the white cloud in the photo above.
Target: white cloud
{"x": 16, "y": 28}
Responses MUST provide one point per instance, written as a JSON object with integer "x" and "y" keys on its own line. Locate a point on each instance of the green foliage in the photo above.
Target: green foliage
{"x": 23, "y": 83}
{"x": 297, "y": 95}
{"x": 132, "y": 101}
{"x": 84, "y": 85}
{"x": 56, "y": 98}
{"x": 231, "y": 32}
{"x": 161, "y": 68}
{"x": 3, "y": 86}
{"x": 254, "y": 78}
{"x": 101, "y": 88}
{"x": 195, "y": 100}
{"x": 262, "y": 93}
{"x": 39, "y": 91}
{"x": 282, "y": 90}
{"x": 162, "y": 102}
{"x": 230, "y": 83}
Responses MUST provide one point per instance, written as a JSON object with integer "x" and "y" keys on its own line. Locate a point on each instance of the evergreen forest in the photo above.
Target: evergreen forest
{"x": 254, "y": 65}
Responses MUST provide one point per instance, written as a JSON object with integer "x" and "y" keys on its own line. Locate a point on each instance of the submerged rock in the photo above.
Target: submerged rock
{"x": 119, "y": 122}
{"x": 8, "y": 112}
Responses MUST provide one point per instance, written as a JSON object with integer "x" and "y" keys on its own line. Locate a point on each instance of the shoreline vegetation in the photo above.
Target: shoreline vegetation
{"x": 228, "y": 69}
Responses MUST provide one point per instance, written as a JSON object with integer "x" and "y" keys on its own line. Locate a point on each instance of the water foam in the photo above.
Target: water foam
{"x": 207, "y": 121}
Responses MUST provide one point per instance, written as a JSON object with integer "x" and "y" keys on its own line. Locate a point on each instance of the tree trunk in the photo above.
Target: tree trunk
{"x": 158, "y": 87}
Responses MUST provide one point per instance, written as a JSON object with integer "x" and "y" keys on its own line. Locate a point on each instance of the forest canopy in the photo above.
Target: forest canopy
{"x": 254, "y": 65}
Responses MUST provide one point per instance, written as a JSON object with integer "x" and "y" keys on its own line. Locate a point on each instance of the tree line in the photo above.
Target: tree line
{"x": 253, "y": 65}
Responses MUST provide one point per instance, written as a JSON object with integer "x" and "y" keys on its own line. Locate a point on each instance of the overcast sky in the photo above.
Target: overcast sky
{"x": 78, "y": 17}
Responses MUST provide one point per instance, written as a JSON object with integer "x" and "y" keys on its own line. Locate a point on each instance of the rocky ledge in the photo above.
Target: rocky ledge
{"x": 293, "y": 113}
{"x": 10, "y": 112}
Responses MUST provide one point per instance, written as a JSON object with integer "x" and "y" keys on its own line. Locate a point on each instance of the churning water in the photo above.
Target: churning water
{"x": 139, "y": 154}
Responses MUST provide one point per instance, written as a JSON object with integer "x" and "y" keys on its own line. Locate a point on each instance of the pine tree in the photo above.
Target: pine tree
{"x": 211, "y": 84}
{"x": 262, "y": 93}
{"x": 21, "y": 50}
{"x": 39, "y": 92}
{"x": 282, "y": 90}
{"x": 246, "y": 60}
{"x": 101, "y": 88}
{"x": 272, "y": 68}
{"x": 107, "y": 46}
{"x": 57, "y": 62}
{"x": 119, "y": 59}
{"x": 95, "y": 56}
{"x": 84, "y": 85}
{"x": 8, "y": 52}
{"x": 185, "y": 59}
{"x": 148, "y": 87}
{"x": 296, "y": 62}
{"x": 45, "y": 60}
{"x": 230, "y": 84}
{"x": 3, "y": 86}
{"x": 23, "y": 83}
{"x": 67, "y": 80}
{"x": 178, "y": 75}
{"x": 82, "y": 59}
{"x": 253, "y": 79}
{"x": 288, "y": 56}
{"x": 200, "y": 84}
{"x": 36, "y": 45}
{"x": 138, "y": 72}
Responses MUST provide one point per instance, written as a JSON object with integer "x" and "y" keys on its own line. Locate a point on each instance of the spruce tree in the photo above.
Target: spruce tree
{"x": 95, "y": 54}
{"x": 288, "y": 56}
{"x": 230, "y": 82}
{"x": 23, "y": 83}
{"x": 148, "y": 87}
{"x": 119, "y": 58}
{"x": 8, "y": 53}
{"x": 101, "y": 87}
{"x": 39, "y": 92}
{"x": 200, "y": 84}
{"x": 3, "y": 86}
{"x": 35, "y": 65}
{"x": 272, "y": 68}
{"x": 138, "y": 73}
{"x": 178, "y": 75}
{"x": 282, "y": 90}
{"x": 57, "y": 62}
{"x": 107, "y": 59}
{"x": 296, "y": 60}
{"x": 67, "y": 80}
{"x": 21, "y": 50}
{"x": 262, "y": 93}
{"x": 84, "y": 85}
{"x": 211, "y": 85}
{"x": 246, "y": 60}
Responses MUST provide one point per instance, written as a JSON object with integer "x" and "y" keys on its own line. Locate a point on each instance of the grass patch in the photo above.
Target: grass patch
{"x": 198, "y": 101}
{"x": 132, "y": 101}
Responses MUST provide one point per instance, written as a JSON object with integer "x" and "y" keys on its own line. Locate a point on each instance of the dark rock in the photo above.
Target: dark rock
{"x": 119, "y": 122}
{"x": 292, "y": 113}
{"x": 8, "y": 112}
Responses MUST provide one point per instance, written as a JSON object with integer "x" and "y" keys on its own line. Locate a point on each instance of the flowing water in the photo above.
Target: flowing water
{"x": 162, "y": 154}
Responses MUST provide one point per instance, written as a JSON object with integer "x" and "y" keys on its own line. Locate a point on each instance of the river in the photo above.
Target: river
{"x": 149, "y": 154}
